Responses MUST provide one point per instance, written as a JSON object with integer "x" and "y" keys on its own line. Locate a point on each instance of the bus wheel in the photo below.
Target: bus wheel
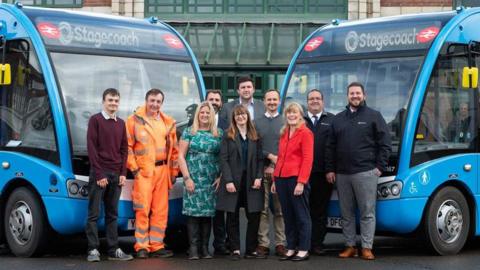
{"x": 24, "y": 222}
{"x": 447, "y": 221}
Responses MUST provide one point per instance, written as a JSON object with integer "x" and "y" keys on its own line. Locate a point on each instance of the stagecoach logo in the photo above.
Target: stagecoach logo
{"x": 313, "y": 44}
{"x": 67, "y": 33}
{"x": 356, "y": 41}
{"x": 172, "y": 41}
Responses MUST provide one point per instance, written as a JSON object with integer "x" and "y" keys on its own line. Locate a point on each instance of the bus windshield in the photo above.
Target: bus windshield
{"x": 83, "y": 78}
{"x": 388, "y": 83}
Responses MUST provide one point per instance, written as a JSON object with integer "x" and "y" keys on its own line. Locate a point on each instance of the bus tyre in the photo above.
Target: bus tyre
{"x": 24, "y": 223}
{"x": 447, "y": 221}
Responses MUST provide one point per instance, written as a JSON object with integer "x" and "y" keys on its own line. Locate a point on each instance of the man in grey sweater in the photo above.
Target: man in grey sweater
{"x": 268, "y": 126}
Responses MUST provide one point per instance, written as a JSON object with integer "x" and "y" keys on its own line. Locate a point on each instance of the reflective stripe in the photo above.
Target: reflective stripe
{"x": 157, "y": 229}
{"x": 141, "y": 240}
{"x": 137, "y": 206}
{"x": 156, "y": 239}
{"x": 130, "y": 152}
{"x": 160, "y": 150}
{"x": 141, "y": 152}
{"x": 140, "y": 231}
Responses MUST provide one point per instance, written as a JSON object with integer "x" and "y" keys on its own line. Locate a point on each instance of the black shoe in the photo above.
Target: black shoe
{"x": 162, "y": 253}
{"x": 318, "y": 251}
{"x": 142, "y": 254}
{"x": 254, "y": 255}
{"x": 286, "y": 257}
{"x": 297, "y": 258}
{"x": 221, "y": 252}
{"x": 235, "y": 256}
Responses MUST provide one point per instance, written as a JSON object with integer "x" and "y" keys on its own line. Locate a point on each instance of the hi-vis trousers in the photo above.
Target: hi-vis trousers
{"x": 150, "y": 203}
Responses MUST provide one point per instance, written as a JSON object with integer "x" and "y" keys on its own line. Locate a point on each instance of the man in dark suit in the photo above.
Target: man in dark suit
{"x": 318, "y": 121}
{"x": 214, "y": 97}
{"x": 245, "y": 90}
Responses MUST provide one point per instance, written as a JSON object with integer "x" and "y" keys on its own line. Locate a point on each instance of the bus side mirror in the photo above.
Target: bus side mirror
{"x": 5, "y": 74}
{"x": 470, "y": 77}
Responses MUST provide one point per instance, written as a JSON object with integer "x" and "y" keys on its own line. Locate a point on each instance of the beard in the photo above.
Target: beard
{"x": 216, "y": 108}
{"x": 356, "y": 106}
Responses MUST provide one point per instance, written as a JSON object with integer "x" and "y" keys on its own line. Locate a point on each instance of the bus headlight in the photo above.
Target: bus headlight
{"x": 389, "y": 190}
{"x": 395, "y": 189}
{"x": 77, "y": 189}
{"x": 73, "y": 189}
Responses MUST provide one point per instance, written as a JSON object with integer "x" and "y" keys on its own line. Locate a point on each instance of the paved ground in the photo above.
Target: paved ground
{"x": 392, "y": 253}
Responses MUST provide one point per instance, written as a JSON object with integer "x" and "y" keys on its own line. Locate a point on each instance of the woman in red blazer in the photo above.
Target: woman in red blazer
{"x": 295, "y": 158}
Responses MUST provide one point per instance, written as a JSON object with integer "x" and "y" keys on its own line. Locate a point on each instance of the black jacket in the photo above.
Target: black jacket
{"x": 320, "y": 134}
{"x": 231, "y": 167}
{"x": 359, "y": 141}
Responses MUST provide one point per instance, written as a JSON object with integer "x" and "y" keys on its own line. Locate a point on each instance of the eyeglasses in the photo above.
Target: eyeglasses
{"x": 240, "y": 113}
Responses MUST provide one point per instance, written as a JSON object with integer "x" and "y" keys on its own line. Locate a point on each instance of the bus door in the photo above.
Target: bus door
{"x": 447, "y": 128}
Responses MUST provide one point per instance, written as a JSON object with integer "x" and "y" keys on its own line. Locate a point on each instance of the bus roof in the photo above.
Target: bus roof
{"x": 387, "y": 34}
{"x": 69, "y": 30}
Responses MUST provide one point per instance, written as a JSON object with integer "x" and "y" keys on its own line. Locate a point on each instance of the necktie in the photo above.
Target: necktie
{"x": 315, "y": 120}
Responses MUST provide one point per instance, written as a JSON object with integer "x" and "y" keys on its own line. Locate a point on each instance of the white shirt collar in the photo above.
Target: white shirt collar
{"x": 107, "y": 116}
{"x": 270, "y": 115}
{"x": 240, "y": 101}
{"x": 311, "y": 115}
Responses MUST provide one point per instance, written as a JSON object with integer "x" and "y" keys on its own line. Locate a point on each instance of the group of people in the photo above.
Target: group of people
{"x": 243, "y": 154}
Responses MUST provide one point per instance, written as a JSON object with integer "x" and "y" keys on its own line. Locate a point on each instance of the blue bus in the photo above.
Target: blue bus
{"x": 420, "y": 72}
{"x": 60, "y": 62}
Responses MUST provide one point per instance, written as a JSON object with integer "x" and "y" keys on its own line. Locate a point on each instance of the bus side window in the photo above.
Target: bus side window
{"x": 26, "y": 123}
{"x": 446, "y": 124}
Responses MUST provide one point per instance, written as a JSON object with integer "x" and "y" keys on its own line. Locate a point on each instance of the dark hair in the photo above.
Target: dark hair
{"x": 233, "y": 130}
{"x": 315, "y": 90}
{"x": 356, "y": 84}
{"x": 244, "y": 79}
{"x": 271, "y": 90}
{"x": 110, "y": 91}
{"x": 214, "y": 91}
{"x": 154, "y": 92}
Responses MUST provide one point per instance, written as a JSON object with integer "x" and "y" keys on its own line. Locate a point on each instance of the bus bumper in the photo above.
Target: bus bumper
{"x": 69, "y": 216}
{"x": 398, "y": 216}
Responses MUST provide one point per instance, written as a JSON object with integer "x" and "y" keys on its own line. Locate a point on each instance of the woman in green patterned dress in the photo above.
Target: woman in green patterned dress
{"x": 199, "y": 149}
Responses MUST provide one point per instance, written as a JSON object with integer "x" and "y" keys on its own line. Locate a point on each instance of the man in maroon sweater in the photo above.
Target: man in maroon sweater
{"x": 107, "y": 151}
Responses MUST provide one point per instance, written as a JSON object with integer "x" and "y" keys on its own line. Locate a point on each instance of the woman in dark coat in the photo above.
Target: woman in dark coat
{"x": 241, "y": 183}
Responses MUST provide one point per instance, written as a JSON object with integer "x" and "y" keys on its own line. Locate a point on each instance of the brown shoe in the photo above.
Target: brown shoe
{"x": 367, "y": 254}
{"x": 349, "y": 252}
{"x": 280, "y": 250}
{"x": 263, "y": 251}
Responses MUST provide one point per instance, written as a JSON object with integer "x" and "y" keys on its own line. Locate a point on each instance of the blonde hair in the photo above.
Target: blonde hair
{"x": 232, "y": 129}
{"x": 211, "y": 121}
{"x": 292, "y": 107}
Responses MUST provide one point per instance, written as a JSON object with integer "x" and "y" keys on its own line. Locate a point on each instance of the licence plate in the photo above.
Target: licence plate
{"x": 131, "y": 224}
{"x": 334, "y": 222}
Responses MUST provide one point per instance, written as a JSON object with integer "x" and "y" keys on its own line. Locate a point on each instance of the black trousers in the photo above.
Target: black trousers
{"x": 199, "y": 231}
{"x": 109, "y": 196}
{"x": 296, "y": 213}
{"x": 219, "y": 233}
{"x": 320, "y": 194}
{"x": 233, "y": 223}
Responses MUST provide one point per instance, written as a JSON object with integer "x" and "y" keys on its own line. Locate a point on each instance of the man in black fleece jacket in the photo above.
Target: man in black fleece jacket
{"x": 357, "y": 154}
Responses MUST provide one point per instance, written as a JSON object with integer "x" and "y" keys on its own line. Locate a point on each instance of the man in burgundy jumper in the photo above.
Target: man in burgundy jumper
{"x": 107, "y": 152}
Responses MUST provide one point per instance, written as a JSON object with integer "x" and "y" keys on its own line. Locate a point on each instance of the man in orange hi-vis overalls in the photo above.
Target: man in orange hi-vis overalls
{"x": 152, "y": 157}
